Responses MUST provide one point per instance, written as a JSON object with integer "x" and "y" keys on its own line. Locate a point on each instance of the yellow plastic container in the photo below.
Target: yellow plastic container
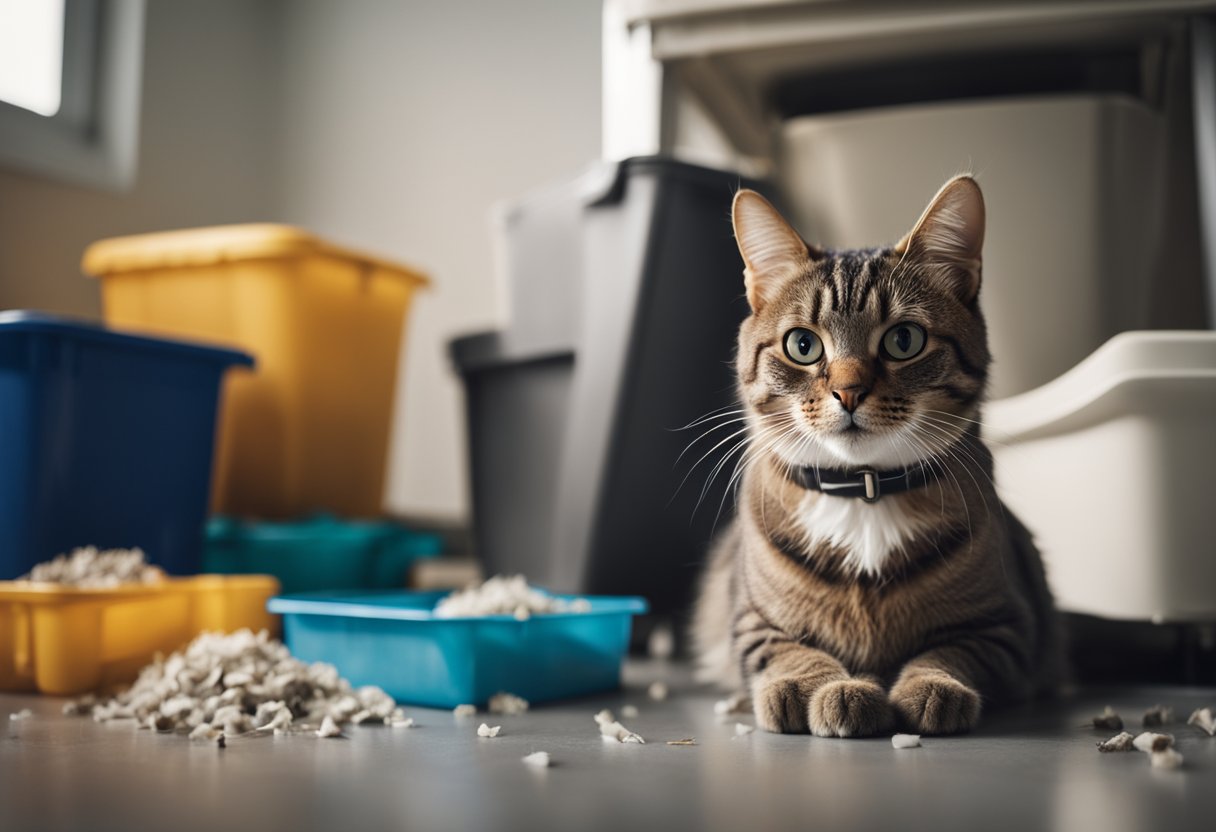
{"x": 64, "y": 641}
{"x": 309, "y": 430}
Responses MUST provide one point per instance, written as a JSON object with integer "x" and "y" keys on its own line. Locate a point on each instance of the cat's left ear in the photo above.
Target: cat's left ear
{"x": 949, "y": 236}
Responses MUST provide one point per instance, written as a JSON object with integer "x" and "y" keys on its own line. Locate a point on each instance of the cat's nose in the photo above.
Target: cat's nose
{"x": 850, "y": 397}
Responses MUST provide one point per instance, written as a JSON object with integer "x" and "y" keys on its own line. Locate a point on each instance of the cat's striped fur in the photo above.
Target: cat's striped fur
{"x": 842, "y": 617}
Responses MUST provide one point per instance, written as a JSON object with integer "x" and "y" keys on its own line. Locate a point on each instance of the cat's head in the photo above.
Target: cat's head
{"x": 877, "y": 357}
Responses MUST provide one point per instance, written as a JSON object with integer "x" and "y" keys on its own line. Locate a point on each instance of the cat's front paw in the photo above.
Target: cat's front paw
{"x": 780, "y": 704}
{"x": 936, "y": 703}
{"x": 850, "y": 708}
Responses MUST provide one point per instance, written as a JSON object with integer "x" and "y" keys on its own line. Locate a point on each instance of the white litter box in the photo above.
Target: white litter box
{"x": 1112, "y": 465}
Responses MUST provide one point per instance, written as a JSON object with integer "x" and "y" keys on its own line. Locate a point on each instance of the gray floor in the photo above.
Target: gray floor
{"x": 1029, "y": 769}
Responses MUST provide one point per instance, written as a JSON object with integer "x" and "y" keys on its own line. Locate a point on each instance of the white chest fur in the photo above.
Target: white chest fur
{"x": 869, "y": 533}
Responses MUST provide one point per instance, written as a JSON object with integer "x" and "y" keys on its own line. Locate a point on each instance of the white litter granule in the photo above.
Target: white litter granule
{"x": 1167, "y": 758}
{"x": 206, "y": 733}
{"x": 1119, "y": 742}
{"x": 21, "y": 715}
{"x": 406, "y": 722}
{"x": 464, "y": 710}
{"x": 629, "y": 711}
{"x": 657, "y": 691}
{"x": 742, "y": 729}
{"x": 539, "y": 759}
{"x": 1157, "y": 716}
{"x": 611, "y": 730}
{"x": 90, "y": 568}
{"x": 236, "y": 684}
{"x": 1108, "y": 720}
{"x": 329, "y": 728}
{"x": 1149, "y": 742}
{"x": 487, "y": 732}
{"x": 738, "y": 703}
{"x": 1203, "y": 720}
{"x": 508, "y": 704}
{"x": 662, "y": 642}
{"x": 905, "y": 741}
{"x": 505, "y": 595}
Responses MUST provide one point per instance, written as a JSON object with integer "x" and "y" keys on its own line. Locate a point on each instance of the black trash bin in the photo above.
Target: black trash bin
{"x": 574, "y": 432}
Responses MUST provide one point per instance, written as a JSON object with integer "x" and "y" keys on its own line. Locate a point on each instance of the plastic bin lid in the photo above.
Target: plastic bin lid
{"x": 40, "y": 323}
{"x": 419, "y": 606}
{"x": 221, "y": 244}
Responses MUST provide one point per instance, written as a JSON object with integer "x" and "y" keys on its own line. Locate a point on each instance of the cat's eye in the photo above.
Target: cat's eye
{"x": 903, "y": 341}
{"x": 803, "y": 346}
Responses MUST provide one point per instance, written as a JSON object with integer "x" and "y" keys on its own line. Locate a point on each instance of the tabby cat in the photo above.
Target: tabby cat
{"x": 871, "y": 578}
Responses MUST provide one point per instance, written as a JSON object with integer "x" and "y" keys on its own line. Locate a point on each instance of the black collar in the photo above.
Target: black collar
{"x": 868, "y": 484}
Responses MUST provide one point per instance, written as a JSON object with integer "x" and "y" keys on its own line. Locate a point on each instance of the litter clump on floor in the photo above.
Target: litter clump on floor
{"x": 1167, "y": 759}
{"x": 1122, "y": 741}
{"x": 508, "y": 704}
{"x": 1150, "y": 742}
{"x": 487, "y": 732}
{"x": 538, "y": 759}
{"x": 21, "y": 715}
{"x": 630, "y": 711}
{"x": 610, "y": 729}
{"x": 464, "y": 710}
{"x": 328, "y": 728}
{"x": 905, "y": 741}
{"x": 90, "y": 568}
{"x": 505, "y": 595}
{"x": 658, "y": 691}
{"x": 1157, "y": 716}
{"x": 1108, "y": 720}
{"x": 738, "y": 703}
{"x": 743, "y": 729}
{"x": 402, "y": 722}
{"x": 1203, "y": 720}
{"x": 241, "y": 683}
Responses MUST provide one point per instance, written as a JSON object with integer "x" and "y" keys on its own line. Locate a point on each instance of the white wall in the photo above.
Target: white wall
{"x": 404, "y": 122}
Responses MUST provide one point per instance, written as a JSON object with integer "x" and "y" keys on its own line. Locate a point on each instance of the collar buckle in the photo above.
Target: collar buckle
{"x": 870, "y": 483}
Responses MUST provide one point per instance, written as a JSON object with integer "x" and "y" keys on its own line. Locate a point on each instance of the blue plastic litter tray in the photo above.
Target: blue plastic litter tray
{"x": 393, "y": 640}
{"x": 105, "y": 439}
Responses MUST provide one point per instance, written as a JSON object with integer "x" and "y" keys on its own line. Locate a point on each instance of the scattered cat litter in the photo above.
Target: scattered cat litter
{"x": 686, "y": 741}
{"x": 630, "y": 711}
{"x": 19, "y": 716}
{"x": 1119, "y": 742}
{"x": 508, "y": 704}
{"x": 1108, "y": 720}
{"x": 1150, "y": 742}
{"x": 329, "y": 728}
{"x": 742, "y": 729}
{"x": 487, "y": 732}
{"x": 737, "y": 704}
{"x": 464, "y": 710}
{"x": 657, "y": 691}
{"x": 1157, "y": 716}
{"x": 236, "y": 684}
{"x": 538, "y": 759}
{"x": 81, "y": 706}
{"x": 505, "y": 595}
{"x": 1202, "y": 719}
{"x": 1167, "y": 759}
{"x": 404, "y": 722}
{"x": 610, "y": 729}
{"x": 905, "y": 741}
{"x": 90, "y": 568}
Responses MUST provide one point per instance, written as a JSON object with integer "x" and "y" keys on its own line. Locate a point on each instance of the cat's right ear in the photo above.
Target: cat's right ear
{"x": 772, "y": 250}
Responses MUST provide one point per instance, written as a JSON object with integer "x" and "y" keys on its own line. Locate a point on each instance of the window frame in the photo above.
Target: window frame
{"x": 93, "y": 140}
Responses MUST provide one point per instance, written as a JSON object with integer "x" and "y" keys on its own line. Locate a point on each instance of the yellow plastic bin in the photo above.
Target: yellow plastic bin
{"x": 64, "y": 641}
{"x": 309, "y": 431}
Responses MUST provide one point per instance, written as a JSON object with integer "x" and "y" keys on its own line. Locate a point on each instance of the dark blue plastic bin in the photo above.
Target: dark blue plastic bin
{"x": 392, "y": 640}
{"x": 105, "y": 439}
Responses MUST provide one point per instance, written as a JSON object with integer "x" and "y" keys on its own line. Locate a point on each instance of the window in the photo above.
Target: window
{"x": 69, "y": 88}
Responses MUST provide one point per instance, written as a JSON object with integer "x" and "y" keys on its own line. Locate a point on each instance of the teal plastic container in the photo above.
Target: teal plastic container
{"x": 394, "y": 641}
{"x": 321, "y": 553}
